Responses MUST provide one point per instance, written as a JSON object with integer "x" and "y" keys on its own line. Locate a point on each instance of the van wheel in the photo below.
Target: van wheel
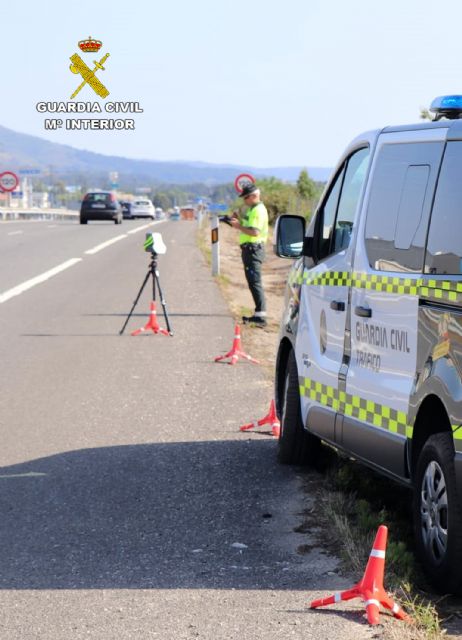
{"x": 438, "y": 514}
{"x": 83, "y": 221}
{"x": 295, "y": 445}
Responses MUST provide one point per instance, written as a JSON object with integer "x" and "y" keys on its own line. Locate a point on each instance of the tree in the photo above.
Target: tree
{"x": 276, "y": 195}
{"x": 425, "y": 114}
{"x": 162, "y": 200}
{"x": 306, "y": 187}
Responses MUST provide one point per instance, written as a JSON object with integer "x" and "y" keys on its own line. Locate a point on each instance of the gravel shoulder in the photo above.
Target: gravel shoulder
{"x": 260, "y": 343}
{"x": 318, "y": 555}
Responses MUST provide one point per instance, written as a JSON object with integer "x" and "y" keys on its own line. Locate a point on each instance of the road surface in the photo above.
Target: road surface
{"x": 131, "y": 505}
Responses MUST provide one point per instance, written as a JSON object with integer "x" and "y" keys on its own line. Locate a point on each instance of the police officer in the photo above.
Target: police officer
{"x": 253, "y": 227}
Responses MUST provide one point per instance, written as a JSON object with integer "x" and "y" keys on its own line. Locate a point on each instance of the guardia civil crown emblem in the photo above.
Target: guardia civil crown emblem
{"x": 91, "y": 45}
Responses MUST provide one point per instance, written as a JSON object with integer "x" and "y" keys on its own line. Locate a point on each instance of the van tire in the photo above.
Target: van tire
{"x": 441, "y": 558}
{"x": 295, "y": 444}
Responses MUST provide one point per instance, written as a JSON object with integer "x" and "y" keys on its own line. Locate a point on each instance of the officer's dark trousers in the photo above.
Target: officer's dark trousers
{"x": 253, "y": 255}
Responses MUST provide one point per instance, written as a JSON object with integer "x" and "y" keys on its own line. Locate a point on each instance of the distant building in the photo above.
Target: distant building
{"x": 40, "y": 199}
{"x": 188, "y": 212}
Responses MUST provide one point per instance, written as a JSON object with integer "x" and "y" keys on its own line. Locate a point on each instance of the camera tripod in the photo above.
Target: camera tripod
{"x": 152, "y": 322}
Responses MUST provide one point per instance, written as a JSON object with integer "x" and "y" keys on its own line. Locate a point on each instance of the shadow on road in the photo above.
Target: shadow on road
{"x": 160, "y": 313}
{"x": 147, "y": 516}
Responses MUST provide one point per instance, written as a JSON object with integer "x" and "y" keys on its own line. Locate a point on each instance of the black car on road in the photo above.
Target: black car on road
{"x": 100, "y": 205}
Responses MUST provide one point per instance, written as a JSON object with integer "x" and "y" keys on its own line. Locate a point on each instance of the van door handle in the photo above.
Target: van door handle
{"x": 364, "y": 312}
{"x": 337, "y": 306}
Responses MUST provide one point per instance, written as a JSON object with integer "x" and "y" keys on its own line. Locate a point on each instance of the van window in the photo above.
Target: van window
{"x": 411, "y": 205}
{"x": 399, "y": 205}
{"x": 444, "y": 249}
{"x": 338, "y": 211}
{"x": 327, "y": 218}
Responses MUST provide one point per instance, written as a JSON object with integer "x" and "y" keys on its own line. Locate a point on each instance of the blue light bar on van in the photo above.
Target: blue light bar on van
{"x": 447, "y": 107}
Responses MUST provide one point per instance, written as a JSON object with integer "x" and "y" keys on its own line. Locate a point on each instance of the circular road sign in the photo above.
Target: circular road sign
{"x": 8, "y": 181}
{"x": 243, "y": 179}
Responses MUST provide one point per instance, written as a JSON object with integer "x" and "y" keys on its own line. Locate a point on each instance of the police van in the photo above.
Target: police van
{"x": 370, "y": 347}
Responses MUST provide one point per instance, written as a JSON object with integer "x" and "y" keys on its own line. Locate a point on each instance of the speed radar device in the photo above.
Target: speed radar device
{"x": 154, "y": 245}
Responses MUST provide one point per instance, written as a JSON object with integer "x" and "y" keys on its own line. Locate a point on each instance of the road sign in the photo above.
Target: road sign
{"x": 17, "y": 194}
{"x": 29, "y": 172}
{"x": 243, "y": 179}
{"x": 8, "y": 181}
{"x": 218, "y": 207}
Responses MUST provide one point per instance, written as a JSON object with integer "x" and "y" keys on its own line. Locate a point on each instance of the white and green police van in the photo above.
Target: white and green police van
{"x": 370, "y": 350}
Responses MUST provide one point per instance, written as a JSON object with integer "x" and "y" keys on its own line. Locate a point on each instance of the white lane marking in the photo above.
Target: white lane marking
{"x": 28, "y": 474}
{"x": 16, "y": 291}
{"x": 14, "y": 233}
{"x": 145, "y": 226}
{"x": 103, "y": 245}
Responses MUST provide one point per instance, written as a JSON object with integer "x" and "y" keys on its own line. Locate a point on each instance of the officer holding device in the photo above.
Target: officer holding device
{"x": 253, "y": 227}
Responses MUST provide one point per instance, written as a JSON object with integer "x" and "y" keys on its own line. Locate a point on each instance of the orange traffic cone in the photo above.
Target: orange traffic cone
{"x": 236, "y": 351}
{"x": 270, "y": 418}
{"x": 370, "y": 587}
{"x": 151, "y": 324}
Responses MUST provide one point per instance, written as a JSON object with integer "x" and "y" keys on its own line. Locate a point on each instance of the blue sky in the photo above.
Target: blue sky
{"x": 257, "y": 83}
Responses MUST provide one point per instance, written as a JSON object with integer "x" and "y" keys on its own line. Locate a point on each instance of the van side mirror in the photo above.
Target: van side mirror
{"x": 289, "y": 234}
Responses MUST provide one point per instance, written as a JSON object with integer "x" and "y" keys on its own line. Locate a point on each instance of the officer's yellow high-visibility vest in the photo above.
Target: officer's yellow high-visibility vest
{"x": 256, "y": 217}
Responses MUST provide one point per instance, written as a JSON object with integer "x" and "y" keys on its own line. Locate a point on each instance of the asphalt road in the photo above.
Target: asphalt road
{"x": 131, "y": 505}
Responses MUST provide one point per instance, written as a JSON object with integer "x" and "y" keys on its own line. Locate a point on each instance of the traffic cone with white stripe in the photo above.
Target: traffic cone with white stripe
{"x": 370, "y": 587}
{"x": 270, "y": 418}
{"x": 152, "y": 324}
{"x": 236, "y": 351}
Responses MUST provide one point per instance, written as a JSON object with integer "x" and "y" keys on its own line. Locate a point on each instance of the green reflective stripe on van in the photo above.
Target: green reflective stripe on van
{"x": 296, "y": 278}
{"x": 322, "y": 393}
{"x": 328, "y": 279}
{"x": 424, "y": 288}
{"x": 441, "y": 290}
{"x": 457, "y": 431}
{"x": 378, "y": 415}
{"x": 387, "y": 284}
{"x": 375, "y": 282}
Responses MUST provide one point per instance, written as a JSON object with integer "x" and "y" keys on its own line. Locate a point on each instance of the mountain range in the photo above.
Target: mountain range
{"x": 19, "y": 151}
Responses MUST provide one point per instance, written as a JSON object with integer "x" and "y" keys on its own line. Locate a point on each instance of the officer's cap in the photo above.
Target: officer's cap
{"x": 248, "y": 189}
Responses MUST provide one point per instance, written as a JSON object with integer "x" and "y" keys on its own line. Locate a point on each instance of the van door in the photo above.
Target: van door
{"x": 324, "y": 299}
{"x": 388, "y": 264}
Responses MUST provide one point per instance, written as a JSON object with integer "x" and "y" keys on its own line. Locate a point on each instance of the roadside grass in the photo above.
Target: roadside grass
{"x": 245, "y": 311}
{"x": 203, "y": 242}
{"x": 356, "y": 504}
{"x": 204, "y": 245}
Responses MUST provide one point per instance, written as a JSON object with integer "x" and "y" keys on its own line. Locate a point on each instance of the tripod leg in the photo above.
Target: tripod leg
{"x": 154, "y": 273}
{"x": 136, "y": 302}
{"x": 164, "y": 306}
